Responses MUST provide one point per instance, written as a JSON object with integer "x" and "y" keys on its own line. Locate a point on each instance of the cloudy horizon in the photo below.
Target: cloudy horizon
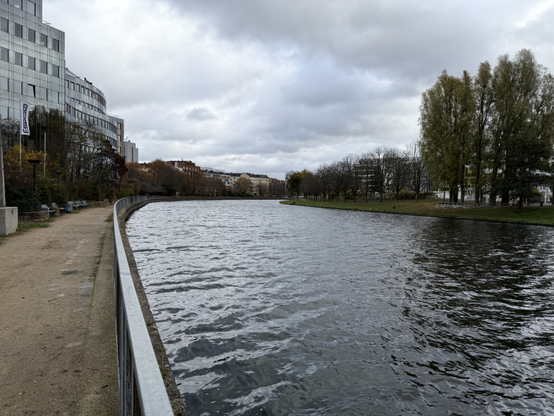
{"x": 269, "y": 87}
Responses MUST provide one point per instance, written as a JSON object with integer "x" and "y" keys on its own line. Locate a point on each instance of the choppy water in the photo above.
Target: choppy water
{"x": 280, "y": 310}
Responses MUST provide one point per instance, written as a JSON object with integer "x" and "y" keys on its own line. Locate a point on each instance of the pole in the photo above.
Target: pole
{"x": 44, "y": 153}
{"x": 20, "y": 151}
{"x": 2, "y": 192}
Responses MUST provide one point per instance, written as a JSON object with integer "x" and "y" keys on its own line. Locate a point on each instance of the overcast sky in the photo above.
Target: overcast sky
{"x": 270, "y": 86}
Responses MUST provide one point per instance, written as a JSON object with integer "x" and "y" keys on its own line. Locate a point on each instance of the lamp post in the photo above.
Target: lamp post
{"x": 34, "y": 162}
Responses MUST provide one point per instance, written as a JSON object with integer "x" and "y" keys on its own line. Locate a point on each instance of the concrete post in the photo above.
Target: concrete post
{"x": 8, "y": 215}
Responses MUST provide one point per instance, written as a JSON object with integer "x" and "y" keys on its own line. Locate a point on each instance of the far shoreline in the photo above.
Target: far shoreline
{"x": 541, "y": 216}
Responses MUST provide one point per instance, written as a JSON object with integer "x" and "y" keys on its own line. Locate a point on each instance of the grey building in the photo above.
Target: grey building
{"x": 33, "y": 69}
{"x": 32, "y": 59}
{"x": 86, "y": 103}
{"x": 131, "y": 152}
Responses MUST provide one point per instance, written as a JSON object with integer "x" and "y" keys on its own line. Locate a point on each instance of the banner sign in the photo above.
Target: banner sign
{"x": 25, "y": 130}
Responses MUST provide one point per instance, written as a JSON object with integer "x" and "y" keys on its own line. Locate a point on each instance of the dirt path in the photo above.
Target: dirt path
{"x": 57, "y": 335}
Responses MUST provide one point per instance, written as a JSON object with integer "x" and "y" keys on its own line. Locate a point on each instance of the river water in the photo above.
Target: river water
{"x": 268, "y": 309}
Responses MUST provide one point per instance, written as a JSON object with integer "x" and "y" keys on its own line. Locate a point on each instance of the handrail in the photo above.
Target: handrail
{"x": 141, "y": 387}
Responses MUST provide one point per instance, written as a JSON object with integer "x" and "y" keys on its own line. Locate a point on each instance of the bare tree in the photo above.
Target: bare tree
{"x": 417, "y": 172}
{"x": 398, "y": 170}
{"x": 380, "y": 171}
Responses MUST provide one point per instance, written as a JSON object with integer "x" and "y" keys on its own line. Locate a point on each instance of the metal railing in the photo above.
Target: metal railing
{"x": 141, "y": 387}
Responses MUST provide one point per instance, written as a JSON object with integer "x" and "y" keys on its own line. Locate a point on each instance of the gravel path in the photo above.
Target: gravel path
{"x": 57, "y": 335}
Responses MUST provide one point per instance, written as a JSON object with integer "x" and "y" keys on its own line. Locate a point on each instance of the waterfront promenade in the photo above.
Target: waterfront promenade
{"x": 58, "y": 353}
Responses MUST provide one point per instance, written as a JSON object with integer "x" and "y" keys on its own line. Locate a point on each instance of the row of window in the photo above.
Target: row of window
{"x": 30, "y": 33}
{"x": 79, "y": 115}
{"x": 32, "y": 63}
{"x": 75, "y": 102}
{"x": 31, "y": 6}
{"x": 30, "y": 90}
{"x": 85, "y": 91}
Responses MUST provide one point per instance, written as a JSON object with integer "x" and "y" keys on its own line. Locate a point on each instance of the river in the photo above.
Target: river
{"x": 267, "y": 309}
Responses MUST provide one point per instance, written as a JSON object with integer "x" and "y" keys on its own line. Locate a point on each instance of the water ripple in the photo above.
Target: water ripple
{"x": 267, "y": 309}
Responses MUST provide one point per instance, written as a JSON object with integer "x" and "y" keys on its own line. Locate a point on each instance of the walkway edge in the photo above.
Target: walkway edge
{"x": 102, "y": 399}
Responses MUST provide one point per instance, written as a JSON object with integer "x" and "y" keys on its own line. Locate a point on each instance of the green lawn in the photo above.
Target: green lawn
{"x": 532, "y": 215}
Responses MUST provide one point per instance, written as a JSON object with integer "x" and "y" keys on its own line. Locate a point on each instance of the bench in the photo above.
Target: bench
{"x": 44, "y": 207}
{"x": 57, "y": 208}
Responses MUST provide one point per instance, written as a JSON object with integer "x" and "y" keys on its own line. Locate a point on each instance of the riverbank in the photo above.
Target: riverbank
{"x": 57, "y": 324}
{"x": 527, "y": 215}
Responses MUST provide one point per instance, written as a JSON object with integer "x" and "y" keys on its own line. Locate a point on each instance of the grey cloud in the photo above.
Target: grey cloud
{"x": 269, "y": 86}
{"x": 200, "y": 114}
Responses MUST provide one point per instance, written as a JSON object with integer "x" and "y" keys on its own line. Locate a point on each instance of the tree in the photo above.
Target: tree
{"x": 293, "y": 183}
{"x": 310, "y": 185}
{"x": 398, "y": 170}
{"x": 324, "y": 175}
{"x": 522, "y": 125}
{"x": 244, "y": 186}
{"x": 352, "y": 174}
{"x": 484, "y": 103}
{"x": 447, "y": 125}
{"x": 380, "y": 171}
{"x": 262, "y": 189}
{"x": 417, "y": 172}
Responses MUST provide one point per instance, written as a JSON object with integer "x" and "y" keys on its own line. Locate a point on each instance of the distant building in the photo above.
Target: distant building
{"x": 186, "y": 166}
{"x": 217, "y": 173}
{"x": 131, "y": 152}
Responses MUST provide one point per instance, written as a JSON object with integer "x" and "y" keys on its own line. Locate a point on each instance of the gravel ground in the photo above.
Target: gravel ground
{"x": 58, "y": 354}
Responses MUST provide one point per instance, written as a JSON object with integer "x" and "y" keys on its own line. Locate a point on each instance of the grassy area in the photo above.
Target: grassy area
{"x": 531, "y": 215}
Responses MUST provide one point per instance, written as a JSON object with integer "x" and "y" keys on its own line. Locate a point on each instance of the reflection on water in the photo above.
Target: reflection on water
{"x": 280, "y": 310}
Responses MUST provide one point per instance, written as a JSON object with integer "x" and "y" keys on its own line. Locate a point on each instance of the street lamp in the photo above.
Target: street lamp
{"x": 34, "y": 162}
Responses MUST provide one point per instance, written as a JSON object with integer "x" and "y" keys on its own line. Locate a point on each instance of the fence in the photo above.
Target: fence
{"x": 141, "y": 387}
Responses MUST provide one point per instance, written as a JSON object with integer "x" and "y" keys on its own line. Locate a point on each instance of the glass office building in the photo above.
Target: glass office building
{"x": 86, "y": 103}
{"x": 32, "y": 59}
{"x": 33, "y": 69}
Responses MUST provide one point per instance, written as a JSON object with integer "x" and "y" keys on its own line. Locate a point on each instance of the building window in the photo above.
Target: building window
{"x": 43, "y": 40}
{"x": 56, "y": 44}
{"x": 32, "y": 36}
{"x": 4, "y": 83}
{"x": 18, "y": 30}
{"x": 72, "y": 85}
{"x": 31, "y": 63}
{"x": 5, "y": 25}
{"x": 16, "y": 3}
{"x": 31, "y": 90}
{"x": 41, "y": 93}
{"x": 3, "y": 112}
{"x": 56, "y": 71}
{"x": 4, "y": 54}
{"x": 18, "y": 87}
{"x": 19, "y": 59}
{"x": 32, "y": 8}
{"x": 53, "y": 96}
{"x": 44, "y": 67}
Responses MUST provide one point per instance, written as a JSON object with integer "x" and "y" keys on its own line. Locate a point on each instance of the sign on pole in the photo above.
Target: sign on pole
{"x": 25, "y": 130}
